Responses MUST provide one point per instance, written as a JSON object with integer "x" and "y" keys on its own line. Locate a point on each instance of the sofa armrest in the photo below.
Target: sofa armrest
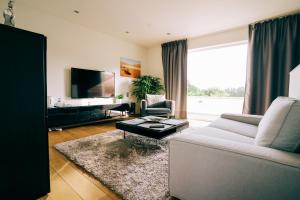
{"x": 171, "y": 105}
{"x": 265, "y": 153}
{"x": 245, "y": 118}
{"x": 202, "y": 167}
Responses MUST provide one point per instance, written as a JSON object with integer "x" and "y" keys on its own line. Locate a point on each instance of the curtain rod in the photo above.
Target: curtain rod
{"x": 274, "y": 18}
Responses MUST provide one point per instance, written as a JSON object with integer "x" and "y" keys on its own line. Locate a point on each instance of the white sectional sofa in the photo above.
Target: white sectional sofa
{"x": 240, "y": 157}
{"x": 220, "y": 162}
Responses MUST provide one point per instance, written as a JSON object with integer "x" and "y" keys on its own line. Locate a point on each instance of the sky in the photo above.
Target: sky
{"x": 223, "y": 67}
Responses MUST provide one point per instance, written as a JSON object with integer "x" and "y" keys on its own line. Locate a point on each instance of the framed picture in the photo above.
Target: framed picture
{"x": 130, "y": 68}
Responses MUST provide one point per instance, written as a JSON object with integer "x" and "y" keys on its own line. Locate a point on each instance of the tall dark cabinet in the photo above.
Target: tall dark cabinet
{"x": 24, "y": 160}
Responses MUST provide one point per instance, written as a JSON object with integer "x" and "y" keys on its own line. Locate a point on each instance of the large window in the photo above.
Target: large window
{"x": 216, "y": 81}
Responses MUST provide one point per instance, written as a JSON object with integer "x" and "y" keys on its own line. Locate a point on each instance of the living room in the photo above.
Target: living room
{"x": 150, "y": 99}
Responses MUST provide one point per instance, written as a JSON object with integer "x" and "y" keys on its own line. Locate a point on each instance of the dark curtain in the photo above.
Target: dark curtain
{"x": 274, "y": 50}
{"x": 174, "y": 57}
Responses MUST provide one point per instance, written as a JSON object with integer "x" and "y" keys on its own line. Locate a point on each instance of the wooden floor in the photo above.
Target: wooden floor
{"x": 68, "y": 181}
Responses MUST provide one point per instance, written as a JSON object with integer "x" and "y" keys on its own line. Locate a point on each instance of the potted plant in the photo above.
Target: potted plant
{"x": 119, "y": 98}
{"x": 146, "y": 85}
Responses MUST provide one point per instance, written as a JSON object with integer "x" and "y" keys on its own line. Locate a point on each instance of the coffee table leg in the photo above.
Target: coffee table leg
{"x": 124, "y": 135}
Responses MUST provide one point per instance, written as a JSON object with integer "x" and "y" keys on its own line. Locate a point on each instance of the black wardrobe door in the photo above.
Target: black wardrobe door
{"x": 24, "y": 139}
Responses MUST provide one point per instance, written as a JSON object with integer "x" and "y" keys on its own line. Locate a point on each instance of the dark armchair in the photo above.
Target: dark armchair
{"x": 157, "y": 105}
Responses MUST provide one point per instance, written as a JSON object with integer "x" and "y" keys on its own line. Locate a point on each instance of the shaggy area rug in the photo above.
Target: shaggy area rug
{"x": 136, "y": 167}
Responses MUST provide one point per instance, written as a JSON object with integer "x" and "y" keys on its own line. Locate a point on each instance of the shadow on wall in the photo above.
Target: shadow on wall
{"x": 67, "y": 72}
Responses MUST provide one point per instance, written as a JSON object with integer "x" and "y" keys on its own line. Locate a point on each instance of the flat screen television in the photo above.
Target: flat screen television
{"x": 91, "y": 84}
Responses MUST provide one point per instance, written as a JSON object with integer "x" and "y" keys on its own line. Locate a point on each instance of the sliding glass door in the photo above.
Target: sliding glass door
{"x": 216, "y": 81}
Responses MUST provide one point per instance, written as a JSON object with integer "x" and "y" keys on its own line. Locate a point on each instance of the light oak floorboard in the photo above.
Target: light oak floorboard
{"x": 69, "y": 181}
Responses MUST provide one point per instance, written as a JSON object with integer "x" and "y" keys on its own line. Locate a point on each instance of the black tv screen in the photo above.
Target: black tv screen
{"x": 90, "y": 83}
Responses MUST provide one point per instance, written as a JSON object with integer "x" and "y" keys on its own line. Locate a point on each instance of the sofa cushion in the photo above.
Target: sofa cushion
{"x": 280, "y": 126}
{"x": 158, "y": 110}
{"x": 235, "y": 126}
{"x": 289, "y": 136}
{"x": 244, "y": 118}
{"x": 161, "y": 104}
{"x": 218, "y": 133}
{"x": 152, "y": 99}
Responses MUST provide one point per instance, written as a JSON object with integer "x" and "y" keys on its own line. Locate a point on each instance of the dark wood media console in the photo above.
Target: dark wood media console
{"x": 62, "y": 117}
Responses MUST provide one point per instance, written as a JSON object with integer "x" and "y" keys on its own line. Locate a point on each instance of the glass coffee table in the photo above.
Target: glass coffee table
{"x": 153, "y": 127}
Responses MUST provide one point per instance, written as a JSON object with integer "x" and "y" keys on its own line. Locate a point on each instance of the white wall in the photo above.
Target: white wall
{"x": 73, "y": 45}
{"x": 154, "y": 62}
{"x": 154, "y": 59}
{"x": 219, "y": 38}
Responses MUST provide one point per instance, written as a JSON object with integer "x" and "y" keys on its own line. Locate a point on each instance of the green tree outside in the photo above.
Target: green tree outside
{"x": 215, "y": 92}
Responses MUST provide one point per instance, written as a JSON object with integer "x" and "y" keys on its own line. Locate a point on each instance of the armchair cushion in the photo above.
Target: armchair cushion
{"x": 280, "y": 126}
{"x": 161, "y": 104}
{"x": 158, "y": 111}
{"x": 153, "y": 99}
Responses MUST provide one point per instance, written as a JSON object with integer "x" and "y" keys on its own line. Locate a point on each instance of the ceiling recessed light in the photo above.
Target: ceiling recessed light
{"x": 168, "y": 33}
{"x": 76, "y": 11}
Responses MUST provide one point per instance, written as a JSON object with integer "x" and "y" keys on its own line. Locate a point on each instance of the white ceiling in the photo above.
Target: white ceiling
{"x": 148, "y": 21}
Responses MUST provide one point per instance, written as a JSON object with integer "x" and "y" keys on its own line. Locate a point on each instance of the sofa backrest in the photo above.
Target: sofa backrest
{"x": 280, "y": 126}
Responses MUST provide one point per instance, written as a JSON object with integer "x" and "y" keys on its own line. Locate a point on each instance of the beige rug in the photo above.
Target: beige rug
{"x": 136, "y": 167}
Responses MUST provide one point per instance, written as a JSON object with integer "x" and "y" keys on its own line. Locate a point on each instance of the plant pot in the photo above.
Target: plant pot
{"x": 119, "y": 101}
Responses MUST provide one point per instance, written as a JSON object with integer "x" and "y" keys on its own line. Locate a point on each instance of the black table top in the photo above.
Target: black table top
{"x": 142, "y": 127}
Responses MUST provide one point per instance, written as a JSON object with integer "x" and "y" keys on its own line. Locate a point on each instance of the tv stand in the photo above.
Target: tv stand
{"x": 64, "y": 117}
